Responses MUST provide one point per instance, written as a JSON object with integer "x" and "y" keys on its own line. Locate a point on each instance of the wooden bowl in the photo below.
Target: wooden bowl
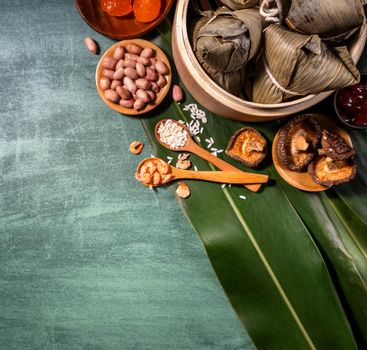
{"x": 302, "y": 180}
{"x": 219, "y": 101}
{"x": 118, "y": 27}
{"x": 160, "y": 95}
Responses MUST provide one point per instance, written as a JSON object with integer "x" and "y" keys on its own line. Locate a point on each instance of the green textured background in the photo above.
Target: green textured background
{"x": 89, "y": 259}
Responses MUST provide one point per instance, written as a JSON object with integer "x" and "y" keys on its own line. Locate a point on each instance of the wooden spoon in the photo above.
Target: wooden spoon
{"x": 232, "y": 177}
{"x": 194, "y": 148}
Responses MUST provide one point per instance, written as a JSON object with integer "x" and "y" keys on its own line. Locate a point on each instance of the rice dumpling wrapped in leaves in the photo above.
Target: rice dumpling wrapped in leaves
{"x": 332, "y": 20}
{"x": 224, "y": 41}
{"x": 274, "y": 11}
{"x": 240, "y": 4}
{"x": 295, "y": 65}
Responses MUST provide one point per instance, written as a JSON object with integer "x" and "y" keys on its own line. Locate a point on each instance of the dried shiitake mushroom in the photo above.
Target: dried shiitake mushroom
{"x": 297, "y": 142}
{"x": 333, "y": 146}
{"x": 328, "y": 172}
{"x": 247, "y": 146}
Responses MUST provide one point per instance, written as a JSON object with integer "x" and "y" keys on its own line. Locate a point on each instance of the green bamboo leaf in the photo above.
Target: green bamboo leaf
{"x": 260, "y": 249}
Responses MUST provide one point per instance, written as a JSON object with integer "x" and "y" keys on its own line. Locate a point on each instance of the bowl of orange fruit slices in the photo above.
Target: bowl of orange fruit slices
{"x": 123, "y": 19}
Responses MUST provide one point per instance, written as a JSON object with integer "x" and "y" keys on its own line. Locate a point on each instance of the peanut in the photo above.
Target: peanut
{"x": 134, "y": 49}
{"x": 112, "y": 96}
{"x": 130, "y": 85}
{"x": 143, "y": 95}
{"x": 127, "y": 103}
{"x": 147, "y": 52}
{"x": 91, "y": 45}
{"x": 161, "y": 82}
{"x": 131, "y": 56}
{"x": 129, "y": 63}
{"x": 109, "y": 62}
{"x": 143, "y": 83}
{"x": 119, "y": 74}
{"x": 161, "y": 67}
{"x": 123, "y": 92}
{"x": 115, "y": 84}
{"x": 108, "y": 73}
{"x": 119, "y": 53}
{"x": 152, "y": 95}
{"x": 151, "y": 75}
{"x": 139, "y": 104}
{"x": 131, "y": 73}
{"x": 144, "y": 60}
{"x": 140, "y": 69}
{"x": 155, "y": 87}
{"x": 120, "y": 64}
{"x": 177, "y": 93}
{"x": 104, "y": 83}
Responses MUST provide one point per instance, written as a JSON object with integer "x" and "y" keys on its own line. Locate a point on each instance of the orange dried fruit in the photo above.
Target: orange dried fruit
{"x": 116, "y": 8}
{"x": 147, "y": 10}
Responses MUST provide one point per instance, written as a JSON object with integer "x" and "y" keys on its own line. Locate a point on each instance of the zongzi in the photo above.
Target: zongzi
{"x": 295, "y": 65}
{"x": 224, "y": 41}
{"x": 332, "y": 20}
{"x": 240, "y": 4}
{"x": 274, "y": 11}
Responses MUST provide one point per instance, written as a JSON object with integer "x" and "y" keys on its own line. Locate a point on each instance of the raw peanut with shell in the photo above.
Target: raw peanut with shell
{"x": 127, "y": 103}
{"x": 112, "y": 95}
{"x": 120, "y": 64}
{"x": 143, "y": 95}
{"x": 147, "y": 52}
{"x": 161, "y": 67}
{"x": 130, "y": 85}
{"x": 119, "y": 53}
{"x": 119, "y": 74}
{"x": 108, "y": 73}
{"x": 139, "y": 105}
{"x": 131, "y": 56}
{"x": 104, "y": 83}
{"x": 161, "y": 82}
{"x": 143, "y": 83}
{"x": 115, "y": 84}
{"x": 134, "y": 49}
{"x": 140, "y": 69}
{"x": 129, "y": 63}
{"x": 123, "y": 92}
{"x": 177, "y": 93}
{"x": 109, "y": 62}
{"x": 144, "y": 60}
{"x": 131, "y": 73}
{"x": 91, "y": 45}
{"x": 151, "y": 75}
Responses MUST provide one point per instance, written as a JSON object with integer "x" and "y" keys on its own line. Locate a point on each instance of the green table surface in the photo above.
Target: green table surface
{"x": 89, "y": 258}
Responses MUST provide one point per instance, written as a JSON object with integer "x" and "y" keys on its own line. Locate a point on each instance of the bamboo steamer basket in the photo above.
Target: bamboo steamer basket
{"x": 219, "y": 101}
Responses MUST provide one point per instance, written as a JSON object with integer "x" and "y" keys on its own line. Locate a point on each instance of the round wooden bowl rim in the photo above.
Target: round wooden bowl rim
{"x": 159, "y": 96}
{"x": 147, "y": 28}
{"x": 294, "y": 177}
{"x": 244, "y": 106}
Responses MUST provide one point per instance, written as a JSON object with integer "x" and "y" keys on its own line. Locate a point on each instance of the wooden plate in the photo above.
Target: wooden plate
{"x": 303, "y": 181}
{"x": 160, "y": 95}
{"x": 118, "y": 27}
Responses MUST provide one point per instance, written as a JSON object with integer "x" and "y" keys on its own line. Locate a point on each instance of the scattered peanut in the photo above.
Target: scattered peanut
{"x": 91, "y": 45}
{"x": 136, "y": 147}
{"x": 177, "y": 93}
{"x": 183, "y": 190}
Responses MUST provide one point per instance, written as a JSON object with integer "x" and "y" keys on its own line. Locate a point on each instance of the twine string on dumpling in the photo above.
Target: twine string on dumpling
{"x": 271, "y": 15}
{"x": 275, "y": 82}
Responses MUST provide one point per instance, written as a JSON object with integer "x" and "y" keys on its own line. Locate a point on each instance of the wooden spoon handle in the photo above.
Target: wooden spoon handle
{"x": 232, "y": 177}
{"x": 219, "y": 163}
